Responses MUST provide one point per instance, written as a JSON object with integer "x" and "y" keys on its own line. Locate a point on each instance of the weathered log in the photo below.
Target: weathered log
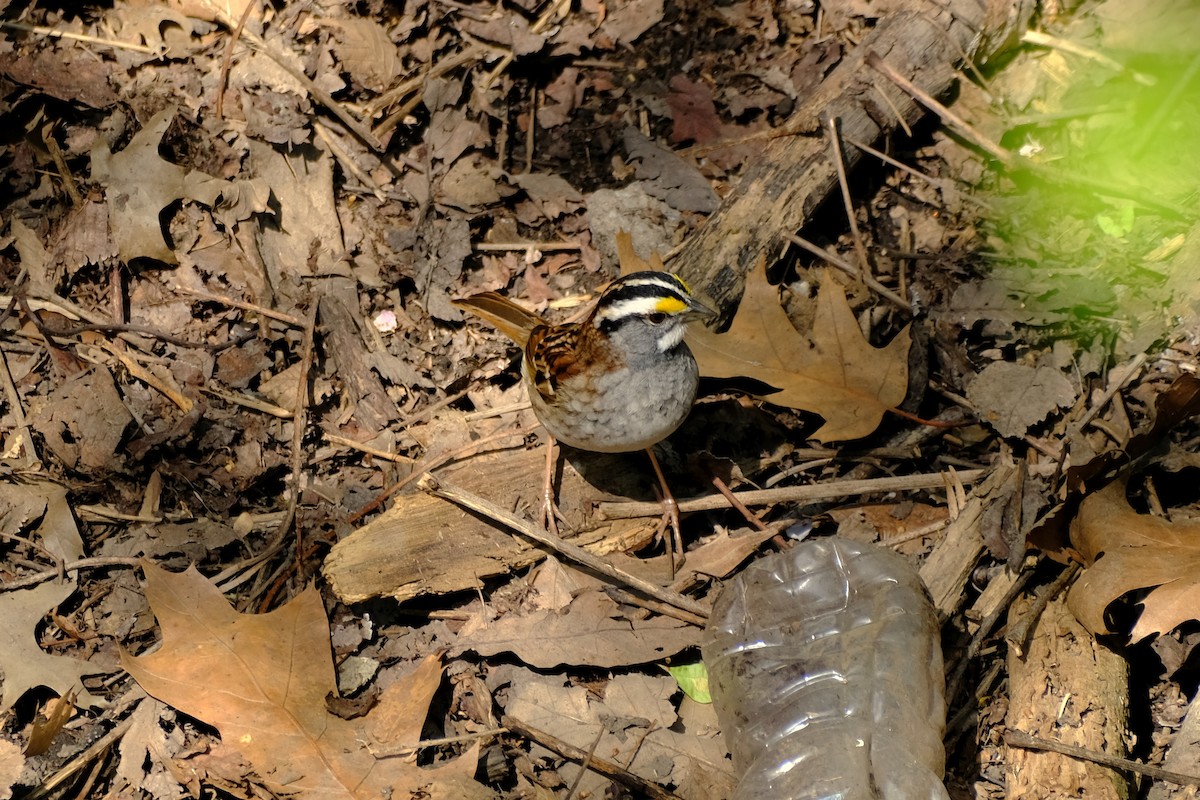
{"x": 793, "y": 175}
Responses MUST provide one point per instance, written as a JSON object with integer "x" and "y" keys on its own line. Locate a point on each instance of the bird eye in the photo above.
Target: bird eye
{"x": 657, "y": 318}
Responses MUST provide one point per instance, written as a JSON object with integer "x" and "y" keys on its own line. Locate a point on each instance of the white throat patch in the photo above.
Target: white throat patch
{"x": 671, "y": 337}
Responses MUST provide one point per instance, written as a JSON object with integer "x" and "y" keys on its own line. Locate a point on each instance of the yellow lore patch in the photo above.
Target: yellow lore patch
{"x": 670, "y": 305}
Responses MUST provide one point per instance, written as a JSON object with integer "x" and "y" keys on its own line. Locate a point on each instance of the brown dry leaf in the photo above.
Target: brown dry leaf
{"x": 836, "y": 373}
{"x": 262, "y": 680}
{"x": 83, "y": 421}
{"x": 366, "y": 51}
{"x": 148, "y": 751}
{"x": 1181, "y": 401}
{"x": 139, "y": 183}
{"x": 626, "y": 22}
{"x": 67, "y": 72}
{"x": 45, "y": 503}
{"x": 23, "y": 663}
{"x": 12, "y": 762}
{"x": 722, "y": 553}
{"x": 592, "y": 631}
{"x": 166, "y": 30}
{"x": 640, "y": 724}
{"x": 629, "y": 259}
{"x": 1124, "y": 551}
{"x": 668, "y": 177}
{"x": 1014, "y": 397}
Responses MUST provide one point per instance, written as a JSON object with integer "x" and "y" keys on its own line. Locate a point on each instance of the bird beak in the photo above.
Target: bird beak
{"x": 697, "y": 310}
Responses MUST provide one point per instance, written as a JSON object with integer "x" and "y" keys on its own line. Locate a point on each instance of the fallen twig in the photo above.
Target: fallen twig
{"x": 572, "y": 551}
{"x": 851, "y": 270}
{"x": 641, "y": 786}
{"x": 1014, "y": 738}
{"x": 71, "y": 566}
{"x": 792, "y": 494}
{"x": 54, "y": 33}
{"x": 835, "y": 145}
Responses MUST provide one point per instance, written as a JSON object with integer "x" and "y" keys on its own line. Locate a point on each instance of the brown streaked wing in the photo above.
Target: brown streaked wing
{"x": 505, "y": 315}
{"x": 551, "y": 352}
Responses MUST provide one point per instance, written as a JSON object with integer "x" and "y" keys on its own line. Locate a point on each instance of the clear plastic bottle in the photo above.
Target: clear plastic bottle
{"x": 825, "y": 664}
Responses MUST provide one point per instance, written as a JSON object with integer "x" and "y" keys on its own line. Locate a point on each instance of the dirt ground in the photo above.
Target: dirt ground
{"x": 271, "y": 501}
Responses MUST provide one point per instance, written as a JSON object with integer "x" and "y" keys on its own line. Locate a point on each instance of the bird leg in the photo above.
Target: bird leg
{"x": 550, "y": 512}
{"x": 670, "y": 517}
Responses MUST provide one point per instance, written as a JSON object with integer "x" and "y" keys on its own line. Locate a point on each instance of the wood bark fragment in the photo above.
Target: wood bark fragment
{"x": 1182, "y": 756}
{"x": 1071, "y": 689}
{"x": 782, "y": 187}
{"x": 949, "y": 566}
{"x": 425, "y": 545}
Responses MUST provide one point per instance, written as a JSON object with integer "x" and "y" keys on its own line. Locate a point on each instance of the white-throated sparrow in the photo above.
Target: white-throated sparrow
{"x": 622, "y": 379}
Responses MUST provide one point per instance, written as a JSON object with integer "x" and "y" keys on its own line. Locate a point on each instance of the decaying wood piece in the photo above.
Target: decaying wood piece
{"x": 784, "y": 185}
{"x": 1067, "y": 688}
{"x": 948, "y": 567}
{"x": 424, "y": 545}
{"x": 1184, "y": 752}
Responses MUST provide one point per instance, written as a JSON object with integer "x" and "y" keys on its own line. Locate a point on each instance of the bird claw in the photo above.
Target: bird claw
{"x": 550, "y": 513}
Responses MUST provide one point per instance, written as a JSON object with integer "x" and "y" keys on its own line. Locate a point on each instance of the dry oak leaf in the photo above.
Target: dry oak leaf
{"x": 1124, "y": 551}
{"x": 262, "y": 679}
{"x": 591, "y": 631}
{"x": 836, "y": 373}
{"x": 139, "y": 183}
{"x": 23, "y": 663}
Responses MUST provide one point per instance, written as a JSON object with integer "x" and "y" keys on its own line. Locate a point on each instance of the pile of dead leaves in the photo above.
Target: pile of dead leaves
{"x": 228, "y": 355}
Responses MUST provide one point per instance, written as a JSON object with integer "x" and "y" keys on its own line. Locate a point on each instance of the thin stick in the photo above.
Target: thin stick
{"x": 572, "y": 551}
{"x": 290, "y": 319}
{"x": 227, "y": 57}
{"x": 28, "y": 305}
{"x": 795, "y": 494}
{"x": 317, "y": 93}
{"x": 941, "y": 184}
{"x": 1018, "y": 635}
{"x": 432, "y": 409}
{"x": 839, "y": 162}
{"x": 53, "y": 33}
{"x": 1025, "y": 741}
{"x": 1131, "y": 370}
{"x": 325, "y": 133}
{"x": 106, "y": 513}
{"x": 670, "y": 513}
{"x": 299, "y": 423}
{"x": 851, "y": 270}
{"x": 405, "y": 749}
{"x": 900, "y": 120}
{"x": 505, "y": 247}
{"x": 64, "y": 169}
{"x": 1046, "y": 40}
{"x": 253, "y": 403}
{"x": 750, "y": 516}
{"x": 587, "y": 758}
{"x": 640, "y": 786}
{"x": 917, "y": 533}
{"x": 431, "y": 463}
{"x": 71, "y": 566}
{"x": 165, "y": 386}
{"x": 986, "y": 625}
{"x": 18, "y": 412}
{"x": 924, "y": 98}
{"x": 665, "y": 609}
{"x": 80, "y": 761}
{"x": 333, "y": 438}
